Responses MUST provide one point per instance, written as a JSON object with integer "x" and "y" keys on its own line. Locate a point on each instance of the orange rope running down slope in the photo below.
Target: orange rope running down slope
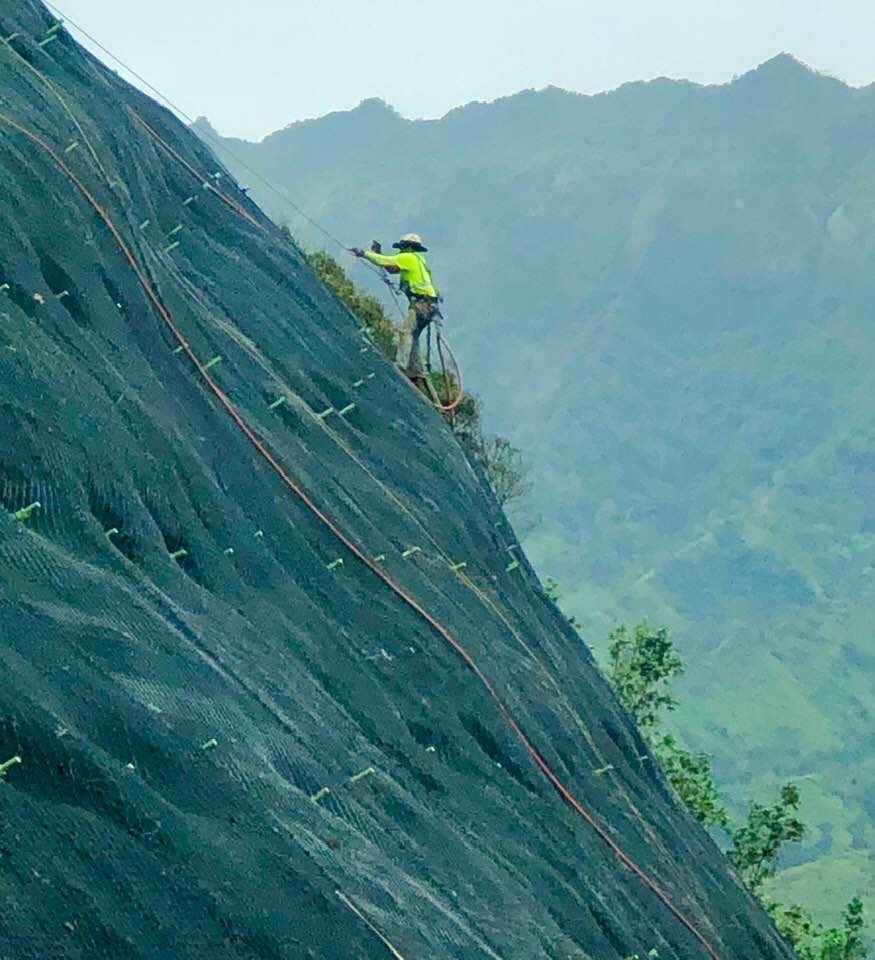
{"x": 438, "y": 628}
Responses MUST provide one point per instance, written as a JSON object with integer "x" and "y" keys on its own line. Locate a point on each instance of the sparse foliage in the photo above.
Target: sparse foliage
{"x": 756, "y": 843}
{"x": 690, "y": 774}
{"x": 640, "y": 667}
{"x": 812, "y": 941}
{"x": 501, "y": 461}
{"x": 367, "y": 309}
{"x": 554, "y": 593}
{"x": 503, "y": 464}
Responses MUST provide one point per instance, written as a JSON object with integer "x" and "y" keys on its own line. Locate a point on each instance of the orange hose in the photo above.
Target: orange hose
{"x": 453, "y": 404}
{"x": 374, "y": 567}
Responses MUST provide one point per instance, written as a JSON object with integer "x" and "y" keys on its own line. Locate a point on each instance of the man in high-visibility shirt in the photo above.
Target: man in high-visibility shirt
{"x": 417, "y": 284}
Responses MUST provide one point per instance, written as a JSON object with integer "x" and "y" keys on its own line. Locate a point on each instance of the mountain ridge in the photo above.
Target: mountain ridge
{"x": 784, "y": 65}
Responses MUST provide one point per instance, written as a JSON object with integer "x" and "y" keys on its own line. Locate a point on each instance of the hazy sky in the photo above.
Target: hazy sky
{"x": 256, "y": 66}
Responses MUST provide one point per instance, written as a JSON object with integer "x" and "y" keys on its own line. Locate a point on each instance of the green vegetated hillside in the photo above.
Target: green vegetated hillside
{"x": 665, "y": 296}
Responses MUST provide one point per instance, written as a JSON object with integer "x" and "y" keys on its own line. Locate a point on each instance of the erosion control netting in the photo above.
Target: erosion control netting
{"x": 236, "y": 741}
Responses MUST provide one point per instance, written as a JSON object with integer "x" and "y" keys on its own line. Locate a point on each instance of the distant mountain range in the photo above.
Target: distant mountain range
{"x": 665, "y": 296}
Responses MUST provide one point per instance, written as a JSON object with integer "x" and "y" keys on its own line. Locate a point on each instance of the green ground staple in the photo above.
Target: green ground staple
{"x": 25, "y": 512}
{"x": 6, "y": 767}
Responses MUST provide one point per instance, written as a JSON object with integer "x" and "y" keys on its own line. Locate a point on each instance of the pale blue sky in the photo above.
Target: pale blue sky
{"x": 256, "y": 66}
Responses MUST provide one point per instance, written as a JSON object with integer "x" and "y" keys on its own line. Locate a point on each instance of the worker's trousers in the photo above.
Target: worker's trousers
{"x": 422, "y": 312}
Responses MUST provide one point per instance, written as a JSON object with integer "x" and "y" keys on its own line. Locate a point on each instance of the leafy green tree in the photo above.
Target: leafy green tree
{"x": 640, "y": 666}
{"x": 812, "y": 941}
{"x": 757, "y": 842}
{"x": 690, "y": 774}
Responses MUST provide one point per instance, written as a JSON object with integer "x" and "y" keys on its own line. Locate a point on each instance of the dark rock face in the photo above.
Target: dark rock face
{"x": 233, "y": 746}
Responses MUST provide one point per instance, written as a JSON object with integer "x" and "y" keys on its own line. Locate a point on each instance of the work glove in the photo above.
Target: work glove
{"x": 357, "y": 251}
{"x": 376, "y": 247}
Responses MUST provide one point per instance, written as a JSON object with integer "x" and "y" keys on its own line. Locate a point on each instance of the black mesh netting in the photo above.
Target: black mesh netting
{"x": 233, "y": 745}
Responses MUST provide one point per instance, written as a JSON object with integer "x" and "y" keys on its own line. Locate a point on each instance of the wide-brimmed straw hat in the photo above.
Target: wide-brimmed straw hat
{"x": 411, "y": 241}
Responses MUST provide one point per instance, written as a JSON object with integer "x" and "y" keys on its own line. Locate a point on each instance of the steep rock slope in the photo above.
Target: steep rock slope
{"x": 664, "y": 295}
{"x": 233, "y": 744}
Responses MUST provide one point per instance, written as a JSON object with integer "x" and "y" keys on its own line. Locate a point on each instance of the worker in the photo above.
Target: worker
{"x": 416, "y": 284}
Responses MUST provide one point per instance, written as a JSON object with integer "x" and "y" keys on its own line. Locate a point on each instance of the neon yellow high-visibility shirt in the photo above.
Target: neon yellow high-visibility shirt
{"x": 415, "y": 275}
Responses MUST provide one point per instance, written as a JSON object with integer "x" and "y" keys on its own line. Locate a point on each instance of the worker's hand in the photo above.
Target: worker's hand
{"x": 376, "y": 246}
{"x": 357, "y": 251}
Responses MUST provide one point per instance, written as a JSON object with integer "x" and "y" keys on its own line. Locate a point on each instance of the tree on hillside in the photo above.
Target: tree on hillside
{"x": 756, "y": 843}
{"x": 640, "y": 667}
{"x": 690, "y": 774}
{"x": 812, "y": 941}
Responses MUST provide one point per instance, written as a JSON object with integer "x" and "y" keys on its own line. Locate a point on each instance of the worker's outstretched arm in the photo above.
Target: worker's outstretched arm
{"x": 381, "y": 260}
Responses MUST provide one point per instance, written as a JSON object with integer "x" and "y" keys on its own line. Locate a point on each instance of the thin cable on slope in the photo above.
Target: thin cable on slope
{"x": 230, "y": 202}
{"x": 219, "y": 145}
{"x": 57, "y": 94}
{"x": 356, "y": 551}
{"x": 345, "y": 900}
{"x": 207, "y": 134}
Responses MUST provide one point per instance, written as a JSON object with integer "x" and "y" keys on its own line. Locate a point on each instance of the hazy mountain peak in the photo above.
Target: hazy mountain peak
{"x": 203, "y": 126}
{"x": 787, "y": 69}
